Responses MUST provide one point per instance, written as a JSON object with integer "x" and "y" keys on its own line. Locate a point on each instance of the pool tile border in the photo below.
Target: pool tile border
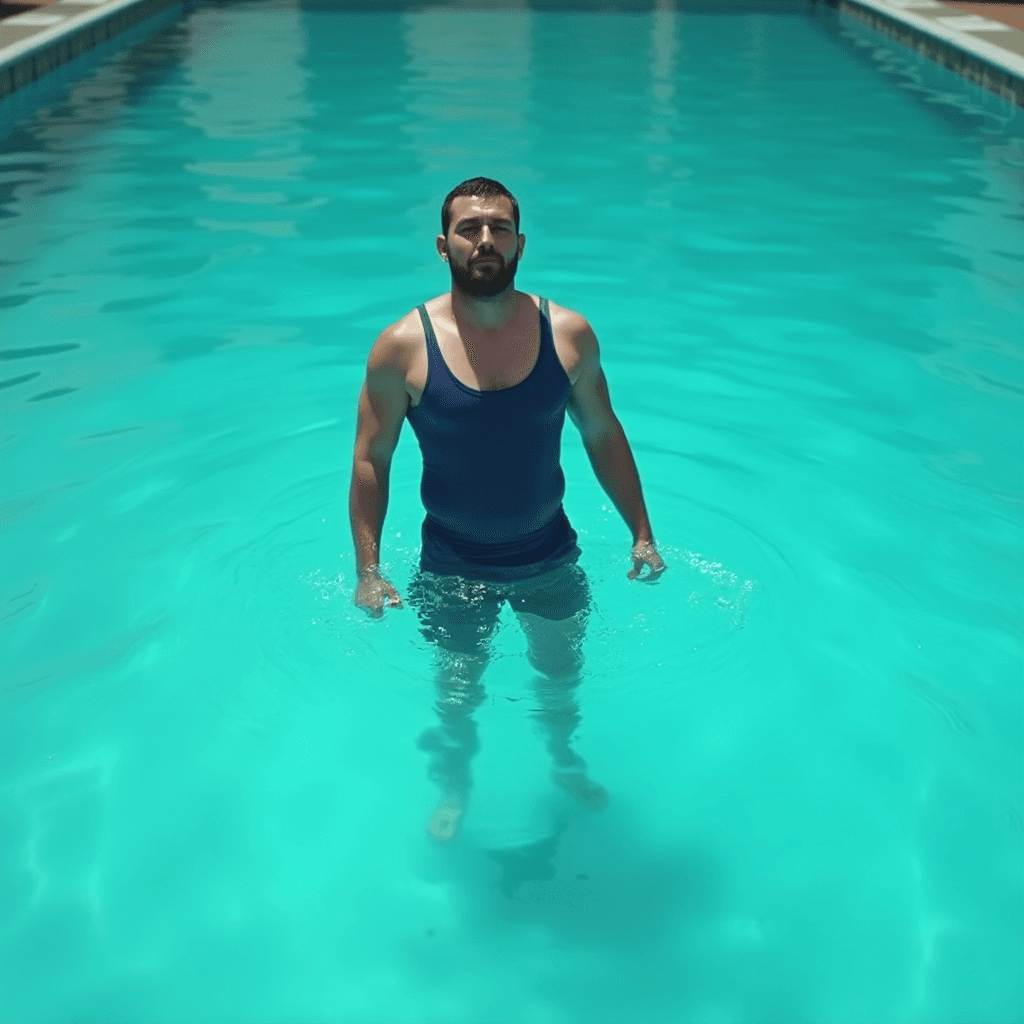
{"x": 926, "y": 30}
{"x": 917, "y": 24}
{"x": 27, "y": 59}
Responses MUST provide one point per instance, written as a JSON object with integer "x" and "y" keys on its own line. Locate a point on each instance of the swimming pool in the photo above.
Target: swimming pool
{"x": 799, "y": 246}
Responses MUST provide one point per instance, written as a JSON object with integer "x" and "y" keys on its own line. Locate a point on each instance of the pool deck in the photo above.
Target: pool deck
{"x": 983, "y": 42}
{"x": 984, "y": 48}
{"x": 42, "y": 37}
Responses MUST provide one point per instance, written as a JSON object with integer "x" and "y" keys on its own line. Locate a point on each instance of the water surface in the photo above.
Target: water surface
{"x": 800, "y": 248}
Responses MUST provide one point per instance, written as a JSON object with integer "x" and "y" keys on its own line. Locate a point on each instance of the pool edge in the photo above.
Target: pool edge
{"x": 998, "y": 70}
{"x": 27, "y": 60}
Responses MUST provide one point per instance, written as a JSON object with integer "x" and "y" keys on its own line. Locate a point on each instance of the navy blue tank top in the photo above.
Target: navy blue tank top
{"x": 492, "y": 481}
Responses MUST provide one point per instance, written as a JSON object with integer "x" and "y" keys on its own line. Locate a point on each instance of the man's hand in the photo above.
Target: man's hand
{"x": 645, "y": 554}
{"x": 374, "y": 593}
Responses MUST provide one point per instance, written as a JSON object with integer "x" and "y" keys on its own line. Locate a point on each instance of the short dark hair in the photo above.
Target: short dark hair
{"x": 487, "y": 187}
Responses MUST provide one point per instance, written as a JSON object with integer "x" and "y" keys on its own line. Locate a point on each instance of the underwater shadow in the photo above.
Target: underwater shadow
{"x": 620, "y": 920}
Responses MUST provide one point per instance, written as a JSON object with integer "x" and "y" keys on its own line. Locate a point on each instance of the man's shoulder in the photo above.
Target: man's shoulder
{"x": 400, "y": 341}
{"x": 567, "y": 320}
{"x": 571, "y": 327}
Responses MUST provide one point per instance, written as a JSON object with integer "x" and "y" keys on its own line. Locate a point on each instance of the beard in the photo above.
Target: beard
{"x": 485, "y": 282}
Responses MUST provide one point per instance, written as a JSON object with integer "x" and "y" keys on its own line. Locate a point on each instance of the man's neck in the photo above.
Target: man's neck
{"x": 477, "y": 313}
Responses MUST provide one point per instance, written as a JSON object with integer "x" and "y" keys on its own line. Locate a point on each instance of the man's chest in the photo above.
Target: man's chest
{"x": 490, "y": 364}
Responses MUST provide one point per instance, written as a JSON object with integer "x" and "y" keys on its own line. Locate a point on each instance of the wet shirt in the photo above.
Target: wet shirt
{"x": 492, "y": 480}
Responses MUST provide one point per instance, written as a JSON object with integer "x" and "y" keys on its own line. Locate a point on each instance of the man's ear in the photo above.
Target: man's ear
{"x": 442, "y": 247}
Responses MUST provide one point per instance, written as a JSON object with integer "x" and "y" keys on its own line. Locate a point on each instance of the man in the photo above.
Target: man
{"x": 485, "y": 375}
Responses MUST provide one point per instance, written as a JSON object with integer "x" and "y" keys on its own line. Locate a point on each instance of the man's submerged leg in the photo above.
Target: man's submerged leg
{"x": 453, "y": 744}
{"x": 458, "y": 616}
{"x": 553, "y": 617}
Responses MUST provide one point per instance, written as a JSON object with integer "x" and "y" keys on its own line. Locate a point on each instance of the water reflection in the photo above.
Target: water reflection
{"x": 478, "y": 91}
{"x": 225, "y": 44}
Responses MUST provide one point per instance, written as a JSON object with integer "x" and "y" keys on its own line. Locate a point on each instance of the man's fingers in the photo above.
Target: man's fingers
{"x": 656, "y": 564}
{"x": 375, "y": 606}
{"x": 656, "y": 571}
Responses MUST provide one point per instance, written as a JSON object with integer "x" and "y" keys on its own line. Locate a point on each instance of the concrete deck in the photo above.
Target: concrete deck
{"x": 983, "y": 42}
{"x": 34, "y": 42}
{"x": 983, "y": 49}
{"x": 1008, "y": 14}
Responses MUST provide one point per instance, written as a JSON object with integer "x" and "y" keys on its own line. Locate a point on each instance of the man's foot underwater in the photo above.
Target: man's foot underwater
{"x": 576, "y": 783}
{"x": 445, "y": 823}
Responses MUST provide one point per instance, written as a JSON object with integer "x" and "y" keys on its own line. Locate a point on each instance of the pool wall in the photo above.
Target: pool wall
{"x": 995, "y": 67}
{"x": 43, "y": 48}
{"x": 38, "y": 42}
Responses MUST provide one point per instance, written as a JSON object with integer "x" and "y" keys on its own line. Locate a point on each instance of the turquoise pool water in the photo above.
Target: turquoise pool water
{"x": 800, "y": 247}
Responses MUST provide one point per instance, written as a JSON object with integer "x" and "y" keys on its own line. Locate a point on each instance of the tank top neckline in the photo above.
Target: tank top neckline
{"x": 434, "y": 349}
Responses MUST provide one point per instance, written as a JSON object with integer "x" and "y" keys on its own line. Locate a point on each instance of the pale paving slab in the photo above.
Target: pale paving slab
{"x": 984, "y": 50}
{"x": 36, "y": 42}
{"x": 987, "y": 38}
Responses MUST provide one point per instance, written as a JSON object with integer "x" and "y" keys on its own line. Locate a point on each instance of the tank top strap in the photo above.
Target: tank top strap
{"x": 547, "y": 334}
{"x": 433, "y": 351}
{"x": 545, "y": 312}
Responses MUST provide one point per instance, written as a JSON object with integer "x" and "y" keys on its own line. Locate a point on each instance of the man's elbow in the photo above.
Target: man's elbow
{"x": 370, "y": 468}
{"x": 599, "y": 435}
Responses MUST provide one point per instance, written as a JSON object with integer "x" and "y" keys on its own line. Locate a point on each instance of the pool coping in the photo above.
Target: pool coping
{"x": 25, "y": 60}
{"x": 927, "y": 29}
{"x": 930, "y": 31}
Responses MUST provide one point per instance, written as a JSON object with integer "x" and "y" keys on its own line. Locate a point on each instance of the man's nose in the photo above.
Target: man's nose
{"x": 486, "y": 238}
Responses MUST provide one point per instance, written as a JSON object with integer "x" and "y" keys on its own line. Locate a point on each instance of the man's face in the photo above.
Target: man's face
{"x": 482, "y": 247}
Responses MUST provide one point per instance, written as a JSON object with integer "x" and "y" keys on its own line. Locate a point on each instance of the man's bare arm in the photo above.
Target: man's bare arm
{"x": 607, "y": 447}
{"x": 382, "y": 405}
